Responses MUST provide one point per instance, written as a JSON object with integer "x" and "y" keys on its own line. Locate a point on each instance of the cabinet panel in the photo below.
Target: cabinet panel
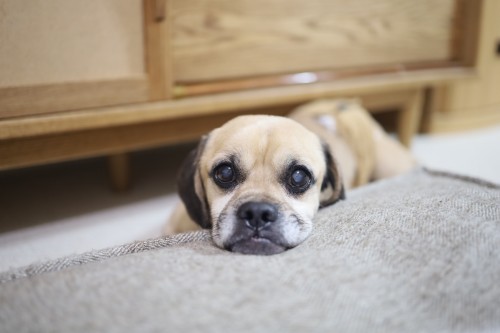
{"x": 473, "y": 103}
{"x": 219, "y": 39}
{"x": 60, "y": 55}
{"x": 46, "y": 42}
{"x": 485, "y": 90}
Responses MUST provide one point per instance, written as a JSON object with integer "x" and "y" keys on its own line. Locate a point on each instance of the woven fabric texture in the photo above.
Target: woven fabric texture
{"x": 417, "y": 253}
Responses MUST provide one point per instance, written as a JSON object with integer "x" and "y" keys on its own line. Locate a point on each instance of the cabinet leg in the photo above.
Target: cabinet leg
{"x": 119, "y": 171}
{"x": 409, "y": 118}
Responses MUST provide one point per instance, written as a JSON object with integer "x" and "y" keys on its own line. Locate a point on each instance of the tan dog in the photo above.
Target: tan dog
{"x": 257, "y": 183}
{"x": 364, "y": 151}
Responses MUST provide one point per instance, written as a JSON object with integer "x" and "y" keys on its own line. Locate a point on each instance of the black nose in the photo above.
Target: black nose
{"x": 257, "y": 215}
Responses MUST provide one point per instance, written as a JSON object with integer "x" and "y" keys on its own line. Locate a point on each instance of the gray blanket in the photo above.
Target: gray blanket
{"x": 418, "y": 253}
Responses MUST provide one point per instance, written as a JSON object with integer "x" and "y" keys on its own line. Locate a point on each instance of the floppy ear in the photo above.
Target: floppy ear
{"x": 332, "y": 188}
{"x": 191, "y": 189}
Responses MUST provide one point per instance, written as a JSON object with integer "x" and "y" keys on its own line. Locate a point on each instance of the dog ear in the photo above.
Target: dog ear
{"x": 190, "y": 187}
{"x": 332, "y": 188}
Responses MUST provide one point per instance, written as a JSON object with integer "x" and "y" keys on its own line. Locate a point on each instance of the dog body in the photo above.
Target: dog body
{"x": 365, "y": 152}
{"x": 257, "y": 183}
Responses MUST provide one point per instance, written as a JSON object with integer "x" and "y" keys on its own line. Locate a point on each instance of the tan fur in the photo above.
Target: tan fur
{"x": 264, "y": 147}
{"x": 363, "y": 150}
{"x": 180, "y": 222}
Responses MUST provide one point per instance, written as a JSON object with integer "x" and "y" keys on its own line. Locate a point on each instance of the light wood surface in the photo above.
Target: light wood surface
{"x": 157, "y": 48}
{"x": 474, "y": 118}
{"x": 105, "y": 141}
{"x": 484, "y": 90}
{"x": 466, "y": 31}
{"x": 219, "y": 39}
{"x": 23, "y": 101}
{"x": 62, "y": 56}
{"x": 409, "y": 117}
{"x": 242, "y": 47}
{"x": 54, "y": 41}
{"x": 474, "y": 102}
{"x": 138, "y": 135}
{"x": 206, "y": 105}
{"x": 116, "y": 140}
{"x": 265, "y": 81}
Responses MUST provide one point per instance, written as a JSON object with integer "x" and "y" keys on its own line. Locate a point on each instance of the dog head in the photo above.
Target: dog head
{"x": 257, "y": 182}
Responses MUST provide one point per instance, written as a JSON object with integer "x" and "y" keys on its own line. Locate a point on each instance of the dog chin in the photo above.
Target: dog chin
{"x": 256, "y": 245}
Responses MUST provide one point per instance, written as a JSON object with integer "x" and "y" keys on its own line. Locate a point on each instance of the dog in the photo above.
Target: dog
{"x": 257, "y": 182}
{"x": 364, "y": 151}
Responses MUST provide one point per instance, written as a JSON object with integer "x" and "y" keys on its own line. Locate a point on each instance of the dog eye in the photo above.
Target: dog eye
{"x": 224, "y": 175}
{"x": 299, "y": 180}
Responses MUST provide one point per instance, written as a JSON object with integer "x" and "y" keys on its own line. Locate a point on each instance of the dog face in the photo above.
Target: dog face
{"x": 257, "y": 182}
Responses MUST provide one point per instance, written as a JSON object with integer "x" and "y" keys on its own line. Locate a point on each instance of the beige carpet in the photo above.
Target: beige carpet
{"x": 416, "y": 253}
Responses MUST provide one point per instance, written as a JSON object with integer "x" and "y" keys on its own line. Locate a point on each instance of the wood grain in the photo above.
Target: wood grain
{"x": 82, "y": 87}
{"x": 409, "y": 116}
{"x": 485, "y": 90}
{"x": 105, "y": 141}
{"x": 466, "y": 31}
{"x": 475, "y": 101}
{"x": 218, "y": 39}
{"x": 475, "y": 118}
{"x": 215, "y": 87}
{"x": 22, "y": 101}
{"x": 58, "y": 41}
{"x": 228, "y": 102}
{"x": 40, "y": 149}
{"x": 157, "y": 49}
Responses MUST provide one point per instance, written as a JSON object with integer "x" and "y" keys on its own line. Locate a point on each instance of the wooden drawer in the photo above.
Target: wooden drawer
{"x": 219, "y": 39}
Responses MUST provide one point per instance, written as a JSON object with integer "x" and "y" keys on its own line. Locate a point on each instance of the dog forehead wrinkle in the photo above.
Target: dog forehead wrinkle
{"x": 226, "y": 156}
{"x": 304, "y": 148}
{"x": 236, "y": 149}
{"x": 262, "y": 135}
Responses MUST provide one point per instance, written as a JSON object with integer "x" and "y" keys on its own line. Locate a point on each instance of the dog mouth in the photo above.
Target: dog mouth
{"x": 259, "y": 228}
{"x": 256, "y": 245}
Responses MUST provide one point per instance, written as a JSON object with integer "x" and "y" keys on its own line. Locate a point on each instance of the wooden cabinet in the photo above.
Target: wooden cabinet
{"x": 60, "y": 55}
{"x": 474, "y": 102}
{"x": 220, "y": 39}
{"x": 93, "y": 77}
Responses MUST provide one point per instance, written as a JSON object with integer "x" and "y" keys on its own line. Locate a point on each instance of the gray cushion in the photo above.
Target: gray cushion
{"x": 414, "y": 253}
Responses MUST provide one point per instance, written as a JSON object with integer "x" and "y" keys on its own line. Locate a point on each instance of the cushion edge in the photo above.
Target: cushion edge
{"x": 103, "y": 254}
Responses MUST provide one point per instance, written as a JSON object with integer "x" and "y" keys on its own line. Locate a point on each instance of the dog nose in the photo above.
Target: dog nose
{"x": 257, "y": 215}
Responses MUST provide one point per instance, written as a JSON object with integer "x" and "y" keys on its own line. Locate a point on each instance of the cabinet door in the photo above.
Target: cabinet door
{"x": 221, "y": 40}
{"x": 58, "y": 55}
